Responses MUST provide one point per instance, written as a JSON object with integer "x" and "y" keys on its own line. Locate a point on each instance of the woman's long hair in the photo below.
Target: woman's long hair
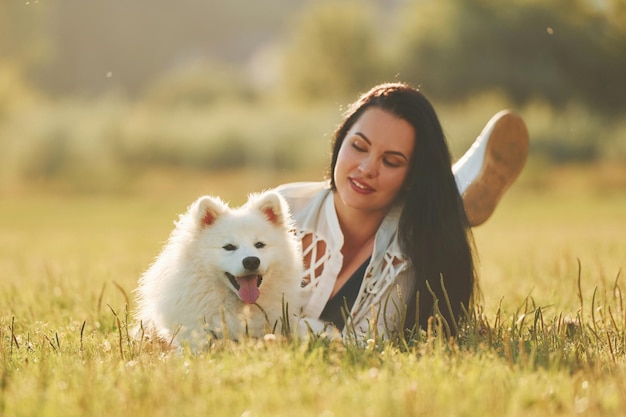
{"x": 433, "y": 230}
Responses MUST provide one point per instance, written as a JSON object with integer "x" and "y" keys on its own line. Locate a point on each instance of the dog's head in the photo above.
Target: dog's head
{"x": 243, "y": 245}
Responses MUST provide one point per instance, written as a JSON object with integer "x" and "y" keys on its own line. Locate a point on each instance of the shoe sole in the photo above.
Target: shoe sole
{"x": 505, "y": 155}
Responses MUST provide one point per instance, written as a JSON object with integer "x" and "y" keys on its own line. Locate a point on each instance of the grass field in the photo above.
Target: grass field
{"x": 549, "y": 340}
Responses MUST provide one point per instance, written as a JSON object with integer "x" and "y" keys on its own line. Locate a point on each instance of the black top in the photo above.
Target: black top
{"x": 335, "y": 308}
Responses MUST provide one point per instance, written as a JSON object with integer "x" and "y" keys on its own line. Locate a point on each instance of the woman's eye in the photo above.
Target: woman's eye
{"x": 391, "y": 164}
{"x": 229, "y": 247}
{"x": 358, "y": 146}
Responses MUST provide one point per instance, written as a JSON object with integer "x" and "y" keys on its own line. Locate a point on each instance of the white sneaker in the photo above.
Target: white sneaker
{"x": 491, "y": 165}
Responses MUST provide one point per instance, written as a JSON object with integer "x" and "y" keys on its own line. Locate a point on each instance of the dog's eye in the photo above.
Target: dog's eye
{"x": 259, "y": 245}
{"x": 229, "y": 247}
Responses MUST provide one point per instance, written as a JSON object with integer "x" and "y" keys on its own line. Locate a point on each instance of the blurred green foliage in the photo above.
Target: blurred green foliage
{"x": 334, "y": 52}
{"x": 557, "y": 50}
{"x": 93, "y": 95}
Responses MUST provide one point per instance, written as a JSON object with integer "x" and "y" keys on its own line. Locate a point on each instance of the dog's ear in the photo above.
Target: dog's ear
{"x": 208, "y": 209}
{"x": 272, "y": 205}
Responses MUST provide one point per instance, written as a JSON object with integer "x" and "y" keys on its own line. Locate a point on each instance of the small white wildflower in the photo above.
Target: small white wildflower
{"x": 581, "y": 404}
{"x": 106, "y": 345}
{"x": 373, "y": 373}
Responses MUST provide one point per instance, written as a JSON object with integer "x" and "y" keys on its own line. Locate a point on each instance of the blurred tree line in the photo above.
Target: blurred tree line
{"x": 213, "y": 84}
{"x": 558, "y": 50}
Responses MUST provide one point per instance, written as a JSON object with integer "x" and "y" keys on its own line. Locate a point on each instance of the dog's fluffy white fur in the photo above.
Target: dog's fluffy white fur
{"x": 218, "y": 266}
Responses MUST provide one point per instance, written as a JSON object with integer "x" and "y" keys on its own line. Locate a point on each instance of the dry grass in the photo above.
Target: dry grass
{"x": 550, "y": 341}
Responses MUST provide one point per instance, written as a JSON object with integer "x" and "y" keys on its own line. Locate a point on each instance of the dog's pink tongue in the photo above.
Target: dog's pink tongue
{"x": 248, "y": 289}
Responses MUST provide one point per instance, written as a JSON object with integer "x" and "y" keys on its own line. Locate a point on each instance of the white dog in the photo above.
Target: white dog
{"x": 218, "y": 267}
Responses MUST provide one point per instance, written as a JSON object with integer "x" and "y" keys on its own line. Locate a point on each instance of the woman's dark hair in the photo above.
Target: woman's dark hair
{"x": 433, "y": 230}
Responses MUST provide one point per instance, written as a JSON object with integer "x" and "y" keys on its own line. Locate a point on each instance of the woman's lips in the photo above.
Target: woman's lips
{"x": 360, "y": 186}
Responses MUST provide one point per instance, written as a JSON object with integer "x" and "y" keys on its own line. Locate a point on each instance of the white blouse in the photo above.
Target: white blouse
{"x": 386, "y": 284}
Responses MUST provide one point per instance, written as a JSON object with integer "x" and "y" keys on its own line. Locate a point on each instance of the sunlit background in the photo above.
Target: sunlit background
{"x": 94, "y": 96}
{"x": 116, "y": 114}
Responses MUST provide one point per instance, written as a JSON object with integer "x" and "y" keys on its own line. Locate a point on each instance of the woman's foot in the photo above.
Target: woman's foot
{"x": 491, "y": 165}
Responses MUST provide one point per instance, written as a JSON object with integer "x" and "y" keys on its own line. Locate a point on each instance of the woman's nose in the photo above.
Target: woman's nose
{"x": 368, "y": 167}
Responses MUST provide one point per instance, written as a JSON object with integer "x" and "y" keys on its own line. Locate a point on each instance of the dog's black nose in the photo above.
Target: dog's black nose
{"x": 251, "y": 263}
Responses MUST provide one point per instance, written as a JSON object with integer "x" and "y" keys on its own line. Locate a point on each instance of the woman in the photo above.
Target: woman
{"x": 389, "y": 230}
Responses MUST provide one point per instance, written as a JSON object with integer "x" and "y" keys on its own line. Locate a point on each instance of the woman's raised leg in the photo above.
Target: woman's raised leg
{"x": 491, "y": 165}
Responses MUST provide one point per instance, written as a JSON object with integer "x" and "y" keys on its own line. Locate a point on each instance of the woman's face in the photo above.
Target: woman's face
{"x": 373, "y": 161}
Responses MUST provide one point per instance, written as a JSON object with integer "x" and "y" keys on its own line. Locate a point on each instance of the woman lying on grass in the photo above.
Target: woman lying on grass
{"x": 387, "y": 241}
